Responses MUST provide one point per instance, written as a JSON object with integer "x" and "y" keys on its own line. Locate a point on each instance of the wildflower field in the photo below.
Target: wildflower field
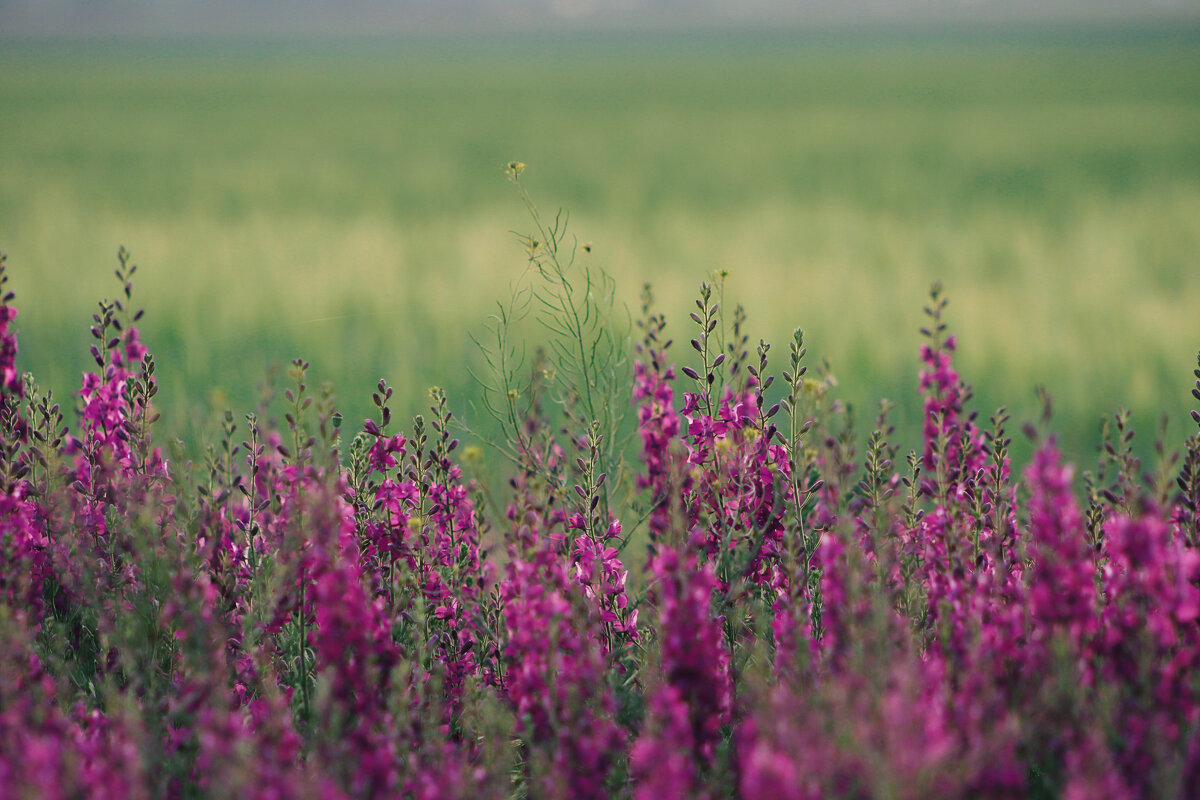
{"x": 722, "y": 598}
{"x": 626, "y": 549}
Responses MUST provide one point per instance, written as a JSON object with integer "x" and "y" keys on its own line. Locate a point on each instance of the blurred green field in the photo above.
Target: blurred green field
{"x": 346, "y": 203}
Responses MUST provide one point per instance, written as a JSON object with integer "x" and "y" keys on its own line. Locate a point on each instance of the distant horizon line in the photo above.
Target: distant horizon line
{"x": 1175, "y": 23}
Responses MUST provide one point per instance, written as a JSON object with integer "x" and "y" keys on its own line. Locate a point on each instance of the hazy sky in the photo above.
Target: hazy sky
{"x": 257, "y": 17}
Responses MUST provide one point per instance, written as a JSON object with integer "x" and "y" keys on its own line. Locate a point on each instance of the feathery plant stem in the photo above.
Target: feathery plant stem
{"x": 587, "y": 352}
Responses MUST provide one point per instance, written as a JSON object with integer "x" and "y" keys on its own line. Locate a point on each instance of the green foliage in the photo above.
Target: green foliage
{"x": 343, "y": 202}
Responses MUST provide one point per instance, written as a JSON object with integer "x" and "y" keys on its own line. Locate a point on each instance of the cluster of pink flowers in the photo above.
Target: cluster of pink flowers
{"x": 691, "y": 701}
{"x": 752, "y": 611}
{"x": 556, "y": 679}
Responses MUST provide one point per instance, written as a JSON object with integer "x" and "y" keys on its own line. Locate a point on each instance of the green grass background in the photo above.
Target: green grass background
{"x": 345, "y": 203}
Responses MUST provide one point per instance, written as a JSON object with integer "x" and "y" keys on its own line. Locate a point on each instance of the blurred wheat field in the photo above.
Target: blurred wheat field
{"x": 346, "y": 203}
